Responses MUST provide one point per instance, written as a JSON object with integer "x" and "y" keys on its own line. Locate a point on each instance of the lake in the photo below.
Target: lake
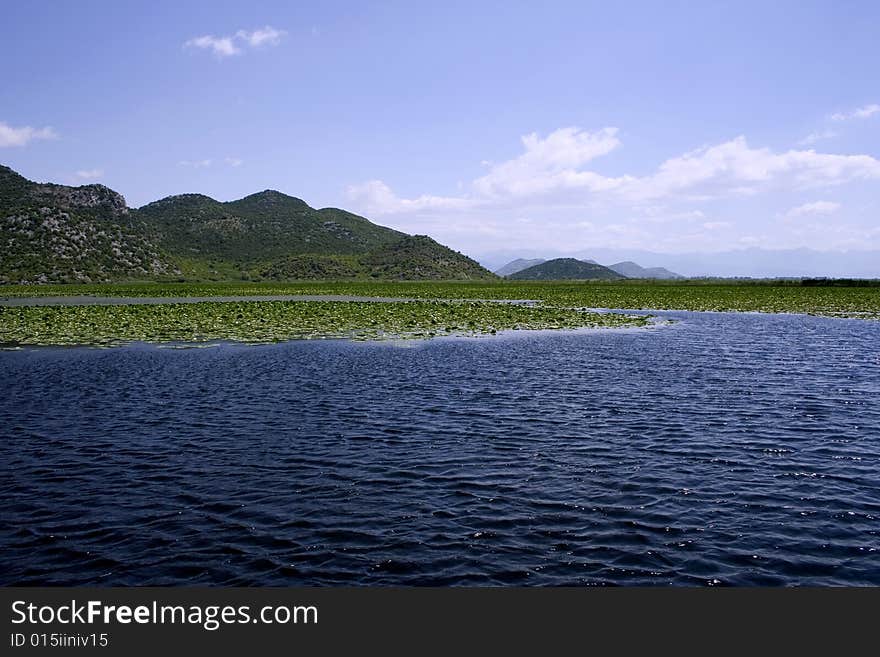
{"x": 724, "y": 449}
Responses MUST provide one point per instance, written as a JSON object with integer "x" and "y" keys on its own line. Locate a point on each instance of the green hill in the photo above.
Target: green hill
{"x": 54, "y": 233}
{"x": 412, "y": 257}
{"x": 418, "y": 257}
{"x": 259, "y": 227}
{"x": 565, "y": 269}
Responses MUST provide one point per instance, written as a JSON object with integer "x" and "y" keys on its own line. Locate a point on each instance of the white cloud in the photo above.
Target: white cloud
{"x": 208, "y": 162}
{"x": 813, "y": 137}
{"x": 735, "y": 168}
{"x": 227, "y": 46}
{"x": 660, "y": 214}
{"x": 89, "y": 174}
{"x": 10, "y": 136}
{"x": 867, "y": 111}
{"x": 860, "y": 113}
{"x": 375, "y": 197}
{"x": 814, "y": 208}
{"x": 196, "y": 164}
{"x": 266, "y": 36}
{"x": 549, "y": 173}
{"x": 551, "y": 163}
{"x": 220, "y": 46}
{"x": 552, "y": 196}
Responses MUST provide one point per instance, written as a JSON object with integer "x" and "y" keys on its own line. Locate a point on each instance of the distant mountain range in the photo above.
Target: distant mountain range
{"x": 631, "y": 270}
{"x": 565, "y": 269}
{"x": 518, "y": 265}
{"x": 54, "y": 233}
{"x": 750, "y": 262}
{"x": 572, "y": 268}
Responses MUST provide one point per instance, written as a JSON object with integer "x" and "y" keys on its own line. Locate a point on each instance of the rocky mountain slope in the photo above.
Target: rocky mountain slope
{"x": 54, "y": 233}
{"x": 261, "y": 226}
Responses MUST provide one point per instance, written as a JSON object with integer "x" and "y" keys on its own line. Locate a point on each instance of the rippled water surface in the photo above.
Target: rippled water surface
{"x": 725, "y": 449}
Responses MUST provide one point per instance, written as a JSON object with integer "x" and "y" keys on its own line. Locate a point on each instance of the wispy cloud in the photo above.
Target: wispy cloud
{"x": 659, "y": 214}
{"x": 264, "y": 36}
{"x": 814, "y": 137}
{"x": 860, "y": 113}
{"x": 196, "y": 164}
{"x": 89, "y": 174}
{"x": 235, "y": 44}
{"x": 375, "y": 197}
{"x": 220, "y": 46}
{"x": 12, "y": 136}
{"x": 209, "y": 162}
{"x": 814, "y": 208}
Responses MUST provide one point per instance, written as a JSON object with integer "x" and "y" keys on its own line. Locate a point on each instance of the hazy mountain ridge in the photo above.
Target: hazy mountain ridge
{"x": 750, "y": 262}
{"x": 56, "y": 233}
{"x": 626, "y": 269}
{"x": 565, "y": 269}
{"x": 518, "y": 265}
{"x": 632, "y": 270}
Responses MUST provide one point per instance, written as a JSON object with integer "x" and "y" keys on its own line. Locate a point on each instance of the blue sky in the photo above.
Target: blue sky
{"x": 520, "y": 127}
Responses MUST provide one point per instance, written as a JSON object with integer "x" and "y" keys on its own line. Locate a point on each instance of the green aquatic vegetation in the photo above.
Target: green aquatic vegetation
{"x": 773, "y": 296}
{"x": 272, "y": 321}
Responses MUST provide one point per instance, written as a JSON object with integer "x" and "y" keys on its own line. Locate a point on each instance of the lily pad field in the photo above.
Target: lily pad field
{"x": 427, "y": 309}
{"x": 273, "y": 321}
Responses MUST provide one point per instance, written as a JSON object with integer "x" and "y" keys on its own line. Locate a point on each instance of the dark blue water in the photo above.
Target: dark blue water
{"x": 726, "y": 449}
